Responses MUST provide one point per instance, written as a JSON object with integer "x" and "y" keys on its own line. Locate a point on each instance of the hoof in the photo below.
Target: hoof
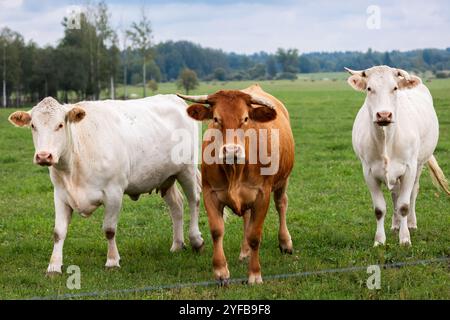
{"x": 395, "y": 229}
{"x": 380, "y": 239}
{"x": 54, "y": 270}
{"x": 412, "y": 227}
{"x": 243, "y": 256}
{"x": 405, "y": 242}
{"x": 178, "y": 247}
{"x": 112, "y": 264}
{"x": 285, "y": 250}
{"x": 197, "y": 242}
{"x": 254, "y": 279}
{"x": 223, "y": 283}
{"x": 222, "y": 275}
{"x": 53, "y": 274}
{"x": 378, "y": 244}
{"x": 199, "y": 248}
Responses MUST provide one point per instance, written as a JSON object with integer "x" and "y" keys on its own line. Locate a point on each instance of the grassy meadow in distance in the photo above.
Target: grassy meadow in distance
{"x": 330, "y": 218}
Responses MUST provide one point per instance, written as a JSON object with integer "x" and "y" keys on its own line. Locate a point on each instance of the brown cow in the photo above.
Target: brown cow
{"x": 241, "y": 186}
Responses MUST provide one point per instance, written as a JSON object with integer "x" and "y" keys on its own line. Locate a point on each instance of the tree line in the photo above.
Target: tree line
{"x": 95, "y": 58}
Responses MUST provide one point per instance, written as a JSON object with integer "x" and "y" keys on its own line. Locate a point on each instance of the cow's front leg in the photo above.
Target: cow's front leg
{"x": 404, "y": 203}
{"x": 63, "y": 214}
{"x": 395, "y": 216}
{"x": 379, "y": 205}
{"x": 113, "y": 204}
{"x": 254, "y": 235}
{"x": 174, "y": 200}
{"x": 214, "y": 210}
{"x": 245, "y": 248}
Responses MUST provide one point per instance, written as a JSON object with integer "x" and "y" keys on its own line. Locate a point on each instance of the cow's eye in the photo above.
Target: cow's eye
{"x": 246, "y": 119}
{"x": 396, "y": 88}
{"x": 216, "y": 120}
{"x": 369, "y": 89}
{"x": 33, "y": 127}
{"x": 60, "y": 126}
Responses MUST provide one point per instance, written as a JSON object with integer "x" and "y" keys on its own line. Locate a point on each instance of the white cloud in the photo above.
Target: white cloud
{"x": 10, "y": 4}
{"x": 42, "y": 27}
{"x": 254, "y": 26}
{"x": 308, "y": 26}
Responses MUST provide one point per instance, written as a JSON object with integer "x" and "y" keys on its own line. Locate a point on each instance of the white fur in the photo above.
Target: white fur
{"x": 395, "y": 154}
{"x": 120, "y": 147}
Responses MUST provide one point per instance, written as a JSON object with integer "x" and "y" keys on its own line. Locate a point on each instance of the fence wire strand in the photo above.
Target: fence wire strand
{"x": 176, "y": 286}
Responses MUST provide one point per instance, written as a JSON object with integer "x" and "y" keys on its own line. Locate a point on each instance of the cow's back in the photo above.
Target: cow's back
{"x": 130, "y": 141}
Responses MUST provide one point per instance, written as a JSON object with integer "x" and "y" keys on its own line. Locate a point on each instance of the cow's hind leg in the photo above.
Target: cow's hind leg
{"x": 412, "y": 220}
{"x": 281, "y": 204}
{"x": 174, "y": 200}
{"x": 190, "y": 182}
{"x": 113, "y": 204}
{"x": 63, "y": 214}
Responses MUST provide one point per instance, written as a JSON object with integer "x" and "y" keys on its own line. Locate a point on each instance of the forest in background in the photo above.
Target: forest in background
{"x": 97, "y": 57}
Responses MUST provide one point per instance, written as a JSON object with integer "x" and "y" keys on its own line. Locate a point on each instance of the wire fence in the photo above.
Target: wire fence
{"x": 177, "y": 286}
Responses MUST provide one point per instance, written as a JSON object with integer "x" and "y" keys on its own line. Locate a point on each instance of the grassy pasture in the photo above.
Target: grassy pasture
{"x": 330, "y": 218}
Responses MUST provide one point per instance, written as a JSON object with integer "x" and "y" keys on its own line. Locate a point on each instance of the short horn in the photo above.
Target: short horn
{"x": 198, "y": 99}
{"x": 361, "y": 73}
{"x": 262, "y": 102}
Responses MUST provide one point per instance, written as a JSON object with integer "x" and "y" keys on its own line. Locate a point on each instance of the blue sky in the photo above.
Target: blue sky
{"x": 256, "y": 25}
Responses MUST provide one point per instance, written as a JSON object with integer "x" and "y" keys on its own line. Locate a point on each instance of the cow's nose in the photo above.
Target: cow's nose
{"x": 232, "y": 150}
{"x": 44, "y": 158}
{"x": 384, "y": 117}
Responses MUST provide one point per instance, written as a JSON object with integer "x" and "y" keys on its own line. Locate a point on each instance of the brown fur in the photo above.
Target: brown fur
{"x": 76, "y": 114}
{"x": 20, "y": 118}
{"x": 358, "y": 82}
{"x": 242, "y": 187}
{"x": 56, "y": 237}
{"x": 378, "y": 213}
{"x": 199, "y": 112}
{"x": 404, "y": 210}
{"x": 110, "y": 234}
{"x": 410, "y": 83}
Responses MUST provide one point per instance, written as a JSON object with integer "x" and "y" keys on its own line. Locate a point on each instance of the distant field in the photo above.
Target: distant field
{"x": 328, "y": 80}
{"x": 306, "y": 81}
{"x": 330, "y": 218}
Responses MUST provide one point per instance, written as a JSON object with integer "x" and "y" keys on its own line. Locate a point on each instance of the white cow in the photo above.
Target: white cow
{"x": 99, "y": 151}
{"x": 395, "y": 134}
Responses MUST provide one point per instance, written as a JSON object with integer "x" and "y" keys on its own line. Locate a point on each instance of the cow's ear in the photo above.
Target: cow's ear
{"x": 20, "y": 119}
{"x": 200, "y": 112}
{"x": 262, "y": 114}
{"x": 76, "y": 114}
{"x": 412, "y": 82}
{"x": 357, "y": 82}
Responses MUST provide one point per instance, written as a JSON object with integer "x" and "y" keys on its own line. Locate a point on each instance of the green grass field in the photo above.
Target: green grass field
{"x": 330, "y": 218}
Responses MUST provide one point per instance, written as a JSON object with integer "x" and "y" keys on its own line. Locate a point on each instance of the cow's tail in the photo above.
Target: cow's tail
{"x": 437, "y": 176}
